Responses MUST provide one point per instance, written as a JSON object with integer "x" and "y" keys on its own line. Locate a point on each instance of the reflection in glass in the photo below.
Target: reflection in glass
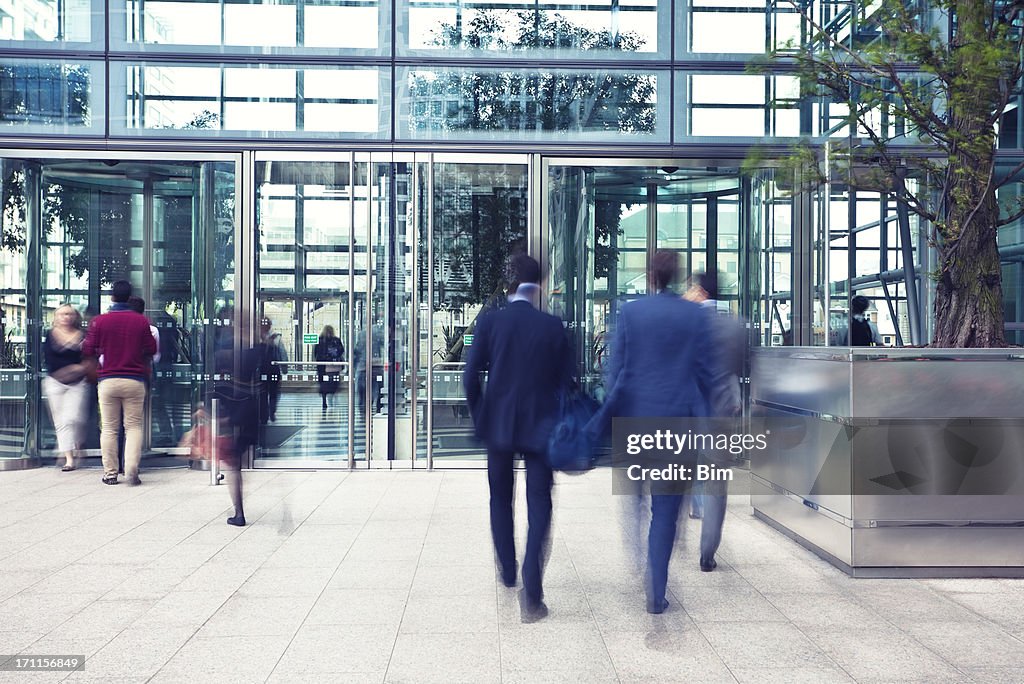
{"x": 737, "y": 26}
{"x": 479, "y": 220}
{"x": 50, "y": 21}
{"x": 739, "y": 105}
{"x": 606, "y": 222}
{"x": 304, "y": 224}
{"x": 258, "y": 100}
{"x": 166, "y": 227}
{"x": 289, "y": 26}
{"x": 562, "y": 28}
{"x": 50, "y": 97}
{"x": 464, "y": 103}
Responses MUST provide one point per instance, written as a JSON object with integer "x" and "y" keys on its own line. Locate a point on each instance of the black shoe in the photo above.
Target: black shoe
{"x": 134, "y": 481}
{"x": 707, "y": 564}
{"x": 531, "y": 610}
{"x": 657, "y": 609}
{"x": 695, "y": 515}
{"x": 110, "y": 479}
{"x": 237, "y": 521}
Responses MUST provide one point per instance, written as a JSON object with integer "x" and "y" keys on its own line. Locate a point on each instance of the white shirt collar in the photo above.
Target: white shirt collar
{"x": 526, "y": 292}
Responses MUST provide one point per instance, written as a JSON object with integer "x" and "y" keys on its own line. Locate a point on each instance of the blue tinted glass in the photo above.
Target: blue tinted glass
{"x": 249, "y": 101}
{"x": 449, "y": 103}
{"x": 51, "y": 97}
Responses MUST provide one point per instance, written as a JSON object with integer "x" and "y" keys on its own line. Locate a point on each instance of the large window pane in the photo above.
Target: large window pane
{"x": 729, "y": 27}
{"x": 738, "y": 105}
{"x": 511, "y": 104}
{"x": 51, "y": 23}
{"x": 51, "y": 97}
{"x": 562, "y": 28}
{"x": 267, "y": 27}
{"x": 249, "y": 101}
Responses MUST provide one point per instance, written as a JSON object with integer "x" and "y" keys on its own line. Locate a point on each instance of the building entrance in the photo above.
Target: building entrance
{"x": 605, "y": 219}
{"x": 370, "y": 272}
{"x": 72, "y": 227}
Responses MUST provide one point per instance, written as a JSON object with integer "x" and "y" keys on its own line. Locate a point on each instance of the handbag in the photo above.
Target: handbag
{"x": 571, "y": 449}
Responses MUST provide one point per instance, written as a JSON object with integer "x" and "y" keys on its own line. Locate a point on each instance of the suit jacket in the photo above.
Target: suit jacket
{"x": 529, "y": 364}
{"x": 663, "y": 362}
{"x": 732, "y": 344}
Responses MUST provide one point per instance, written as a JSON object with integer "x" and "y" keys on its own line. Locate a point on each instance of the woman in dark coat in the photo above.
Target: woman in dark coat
{"x": 329, "y": 348}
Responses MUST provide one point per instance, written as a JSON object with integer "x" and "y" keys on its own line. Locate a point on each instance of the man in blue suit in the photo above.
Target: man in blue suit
{"x": 528, "y": 361}
{"x": 662, "y": 365}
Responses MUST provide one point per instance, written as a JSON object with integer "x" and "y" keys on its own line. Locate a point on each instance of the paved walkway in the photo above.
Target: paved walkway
{"x": 378, "y": 576}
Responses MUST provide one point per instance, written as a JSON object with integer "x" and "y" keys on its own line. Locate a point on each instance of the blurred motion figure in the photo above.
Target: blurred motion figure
{"x": 64, "y": 385}
{"x": 662, "y": 364}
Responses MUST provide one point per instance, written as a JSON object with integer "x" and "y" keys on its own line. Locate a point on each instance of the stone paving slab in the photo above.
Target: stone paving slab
{"x": 387, "y": 576}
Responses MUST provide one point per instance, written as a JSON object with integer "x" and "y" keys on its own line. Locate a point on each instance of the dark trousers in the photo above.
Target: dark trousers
{"x": 714, "y": 497}
{"x": 539, "y": 479}
{"x": 660, "y": 540}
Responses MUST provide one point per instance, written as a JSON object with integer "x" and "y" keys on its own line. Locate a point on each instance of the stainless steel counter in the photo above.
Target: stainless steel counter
{"x": 894, "y": 462}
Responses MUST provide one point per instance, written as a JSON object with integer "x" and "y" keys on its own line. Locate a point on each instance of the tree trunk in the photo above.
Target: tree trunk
{"x": 969, "y": 294}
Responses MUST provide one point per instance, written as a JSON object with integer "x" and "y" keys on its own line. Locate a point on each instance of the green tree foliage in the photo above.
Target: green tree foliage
{"x": 921, "y": 90}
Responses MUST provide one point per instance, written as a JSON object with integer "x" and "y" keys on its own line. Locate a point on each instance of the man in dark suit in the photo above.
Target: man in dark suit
{"x": 528, "y": 361}
{"x": 662, "y": 365}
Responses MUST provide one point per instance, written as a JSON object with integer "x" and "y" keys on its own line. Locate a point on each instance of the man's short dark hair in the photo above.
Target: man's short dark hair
{"x": 525, "y": 269}
{"x": 708, "y": 282}
{"x": 121, "y": 291}
{"x": 860, "y": 304}
{"x": 137, "y": 304}
{"x": 664, "y": 268}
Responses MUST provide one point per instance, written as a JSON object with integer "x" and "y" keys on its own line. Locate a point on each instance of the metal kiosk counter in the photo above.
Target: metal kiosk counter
{"x": 894, "y": 462}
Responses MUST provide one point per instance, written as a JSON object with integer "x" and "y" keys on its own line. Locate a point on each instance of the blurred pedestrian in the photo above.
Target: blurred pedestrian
{"x": 238, "y": 426}
{"x": 123, "y": 337}
{"x": 276, "y": 357}
{"x": 64, "y": 385}
{"x": 730, "y": 344}
{"x": 661, "y": 365}
{"x": 528, "y": 361}
{"x": 328, "y": 348}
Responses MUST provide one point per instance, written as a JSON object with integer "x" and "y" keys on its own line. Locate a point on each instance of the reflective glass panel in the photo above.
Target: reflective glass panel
{"x": 562, "y": 28}
{"x": 304, "y": 267}
{"x": 727, "y": 27}
{"x": 738, "y": 105}
{"x": 51, "y": 97}
{"x": 51, "y": 23}
{"x": 449, "y": 103}
{"x": 479, "y": 217}
{"x": 250, "y": 101}
{"x": 267, "y": 27}
{"x": 80, "y": 225}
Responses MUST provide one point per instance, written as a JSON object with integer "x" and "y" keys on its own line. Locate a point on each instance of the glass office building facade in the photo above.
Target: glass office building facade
{"x": 370, "y": 166}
